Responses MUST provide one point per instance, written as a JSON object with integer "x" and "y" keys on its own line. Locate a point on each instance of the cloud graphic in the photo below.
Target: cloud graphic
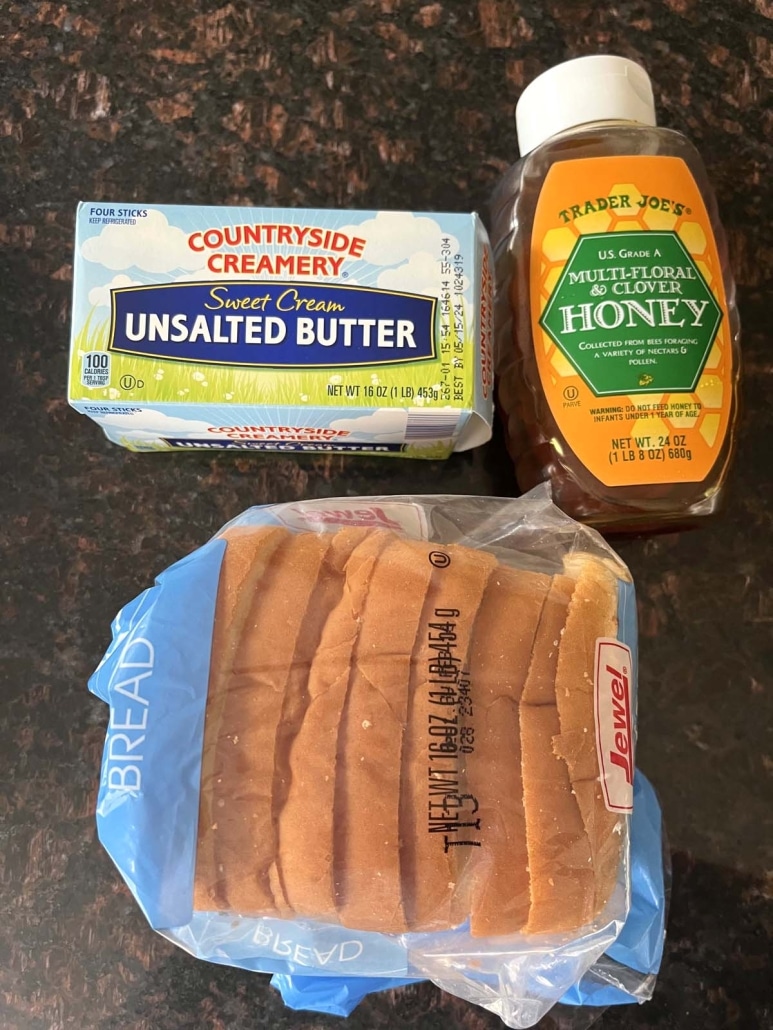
{"x": 99, "y": 296}
{"x": 205, "y": 274}
{"x": 151, "y": 244}
{"x": 385, "y": 425}
{"x": 420, "y": 274}
{"x": 150, "y": 425}
{"x": 393, "y": 234}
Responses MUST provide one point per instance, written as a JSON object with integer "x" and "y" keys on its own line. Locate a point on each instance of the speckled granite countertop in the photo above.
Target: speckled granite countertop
{"x": 375, "y": 103}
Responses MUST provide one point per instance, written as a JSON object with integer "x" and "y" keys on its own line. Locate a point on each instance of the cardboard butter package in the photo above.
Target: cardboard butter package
{"x": 279, "y": 329}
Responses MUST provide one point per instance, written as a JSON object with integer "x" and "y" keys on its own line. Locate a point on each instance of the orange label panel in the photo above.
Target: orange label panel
{"x": 629, "y": 319}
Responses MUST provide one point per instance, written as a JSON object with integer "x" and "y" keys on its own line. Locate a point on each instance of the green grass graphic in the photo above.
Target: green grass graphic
{"x": 169, "y": 381}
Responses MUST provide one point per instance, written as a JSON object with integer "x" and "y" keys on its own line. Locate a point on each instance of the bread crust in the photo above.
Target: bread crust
{"x": 369, "y": 885}
{"x": 501, "y": 655}
{"x": 309, "y": 822}
{"x": 244, "y": 838}
{"x": 248, "y": 554}
{"x": 431, "y": 867}
{"x": 592, "y": 614}
{"x": 304, "y": 778}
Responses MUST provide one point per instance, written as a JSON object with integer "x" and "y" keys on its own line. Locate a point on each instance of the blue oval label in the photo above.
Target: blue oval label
{"x": 270, "y": 324}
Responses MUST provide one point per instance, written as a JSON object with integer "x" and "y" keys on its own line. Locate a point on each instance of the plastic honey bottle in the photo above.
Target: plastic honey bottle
{"x": 617, "y": 331}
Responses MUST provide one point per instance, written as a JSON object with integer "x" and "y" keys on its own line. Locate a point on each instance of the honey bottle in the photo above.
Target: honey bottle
{"x": 617, "y": 331}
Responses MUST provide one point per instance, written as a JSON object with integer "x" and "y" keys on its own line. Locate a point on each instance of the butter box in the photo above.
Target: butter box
{"x": 282, "y": 329}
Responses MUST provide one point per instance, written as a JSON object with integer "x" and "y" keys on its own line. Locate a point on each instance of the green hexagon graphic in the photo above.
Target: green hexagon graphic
{"x": 633, "y": 314}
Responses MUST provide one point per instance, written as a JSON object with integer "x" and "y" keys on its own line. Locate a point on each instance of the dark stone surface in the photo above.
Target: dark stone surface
{"x": 376, "y": 103}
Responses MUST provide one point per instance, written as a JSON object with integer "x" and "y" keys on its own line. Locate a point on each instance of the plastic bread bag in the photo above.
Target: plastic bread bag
{"x": 381, "y": 737}
{"x": 625, "y": 974}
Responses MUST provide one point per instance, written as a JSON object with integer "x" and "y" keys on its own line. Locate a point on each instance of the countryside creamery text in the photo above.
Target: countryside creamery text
{"x": 216, "y": 241}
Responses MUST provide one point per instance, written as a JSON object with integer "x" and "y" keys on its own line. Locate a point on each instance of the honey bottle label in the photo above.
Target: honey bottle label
{"x": 629, "y": 319}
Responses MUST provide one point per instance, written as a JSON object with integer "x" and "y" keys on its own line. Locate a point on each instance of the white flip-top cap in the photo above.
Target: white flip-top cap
{"x": 588, "y": 89}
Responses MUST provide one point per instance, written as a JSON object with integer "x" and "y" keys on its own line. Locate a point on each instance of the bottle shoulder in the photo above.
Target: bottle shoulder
{"x": 514, "y": 200}
{"x": 600, "y": 141}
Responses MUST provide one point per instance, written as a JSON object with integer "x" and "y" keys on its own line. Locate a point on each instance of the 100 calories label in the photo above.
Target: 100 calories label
{"x": 291, "y": 330}
{"x": 629, "y": 319}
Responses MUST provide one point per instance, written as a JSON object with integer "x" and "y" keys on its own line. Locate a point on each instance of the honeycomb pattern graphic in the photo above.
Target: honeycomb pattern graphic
{"x": 557, "y": 246}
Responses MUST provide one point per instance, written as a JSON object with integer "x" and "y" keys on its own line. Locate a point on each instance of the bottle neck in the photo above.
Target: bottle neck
{"x": 602, "y": 123}
{"x": 597, "y": 127}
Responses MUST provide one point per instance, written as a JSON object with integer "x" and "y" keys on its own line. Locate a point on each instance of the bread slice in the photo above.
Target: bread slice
{"x": 499, "y": 662}
{"x": 592, "y": 614}
{"x": 432, "y": 809}
{"x": 245, "y": 842}
{"x": 248, "y": 555}
{"x": 561, "y": 875}
{"x": 368, "y": 875}
{"x": 296, "y": 735}
{"x": 307, "y": 824}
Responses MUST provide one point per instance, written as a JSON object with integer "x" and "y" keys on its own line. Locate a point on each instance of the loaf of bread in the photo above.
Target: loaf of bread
{"x": 400, "y": 737}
